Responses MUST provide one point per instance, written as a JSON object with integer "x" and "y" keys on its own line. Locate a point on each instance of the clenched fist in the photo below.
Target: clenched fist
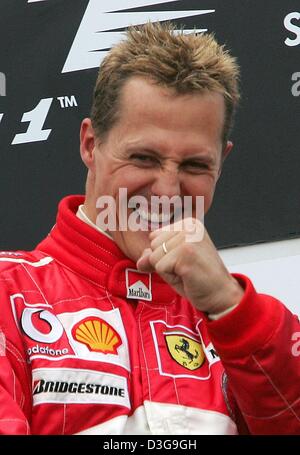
{"x": 186, "y": 258}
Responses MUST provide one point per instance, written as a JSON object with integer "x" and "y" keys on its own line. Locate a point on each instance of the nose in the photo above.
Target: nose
{"x": 167, "y": 183}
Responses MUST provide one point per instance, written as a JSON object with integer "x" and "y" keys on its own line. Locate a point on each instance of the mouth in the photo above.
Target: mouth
{"x": 154, "y": 220}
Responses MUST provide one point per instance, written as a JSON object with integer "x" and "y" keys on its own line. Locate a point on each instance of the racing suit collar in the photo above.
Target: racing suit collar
{"x": 98, "y": 259}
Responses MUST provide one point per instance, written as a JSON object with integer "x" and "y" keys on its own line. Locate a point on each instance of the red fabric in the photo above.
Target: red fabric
{"x": 256, "y": 348}
{"x": 76, "y": 353}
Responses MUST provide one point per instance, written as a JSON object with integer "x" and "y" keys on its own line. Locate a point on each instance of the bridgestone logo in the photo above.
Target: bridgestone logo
{"x": 78, "y": 386}
{"x": 73, "y": 387}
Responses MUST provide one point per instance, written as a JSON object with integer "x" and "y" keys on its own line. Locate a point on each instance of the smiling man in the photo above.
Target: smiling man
{"x": 163, "y": 144}
{"x": 106, "y": 330}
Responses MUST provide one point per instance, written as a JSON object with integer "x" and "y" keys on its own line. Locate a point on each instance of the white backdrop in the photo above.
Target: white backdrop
{"x": 273, "y": 267}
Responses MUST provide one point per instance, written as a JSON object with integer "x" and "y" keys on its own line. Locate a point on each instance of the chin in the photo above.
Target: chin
{"x": 135, "y": 245}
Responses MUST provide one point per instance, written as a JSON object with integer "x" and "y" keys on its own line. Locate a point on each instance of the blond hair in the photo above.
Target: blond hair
{"x": 186, "y": 63}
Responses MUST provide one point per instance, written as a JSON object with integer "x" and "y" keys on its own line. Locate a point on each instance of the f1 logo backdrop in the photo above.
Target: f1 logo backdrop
{"x": 102, "y": 22}
{"x": 49, "y": 54}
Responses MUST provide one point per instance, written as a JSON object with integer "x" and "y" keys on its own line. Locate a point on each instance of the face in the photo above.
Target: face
{"x": 162, "y": 145}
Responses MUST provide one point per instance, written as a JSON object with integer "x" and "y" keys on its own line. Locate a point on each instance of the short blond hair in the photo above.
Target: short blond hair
{"x": 186, "y": 63}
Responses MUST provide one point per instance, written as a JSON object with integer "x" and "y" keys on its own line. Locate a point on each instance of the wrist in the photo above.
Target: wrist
{"x": 216, "y": 316}
{"x": 230, "y": 297}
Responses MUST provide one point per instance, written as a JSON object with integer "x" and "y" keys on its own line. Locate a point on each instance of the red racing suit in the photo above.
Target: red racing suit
{"x": 90, "y": 345}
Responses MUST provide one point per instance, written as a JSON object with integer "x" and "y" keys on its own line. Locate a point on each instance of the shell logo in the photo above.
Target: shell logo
{"x": 97, "y": 335}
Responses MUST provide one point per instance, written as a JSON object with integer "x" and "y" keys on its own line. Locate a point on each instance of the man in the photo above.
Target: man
{"x": 121, "y": 331}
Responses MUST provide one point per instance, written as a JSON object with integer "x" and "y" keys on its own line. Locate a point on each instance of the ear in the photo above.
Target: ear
{"x": 225, "y": 153}
{"x": 87, "y": 143}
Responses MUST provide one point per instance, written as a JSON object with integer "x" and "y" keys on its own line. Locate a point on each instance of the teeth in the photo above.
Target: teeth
{"x": 166, "y": 217}
{"x": 154, "y": 217}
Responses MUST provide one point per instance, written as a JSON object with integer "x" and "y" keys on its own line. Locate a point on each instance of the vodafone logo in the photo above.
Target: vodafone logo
{"x": 37, "y": 330}
{"x": 104, "y": 21}
{"x": 45, "y": 336}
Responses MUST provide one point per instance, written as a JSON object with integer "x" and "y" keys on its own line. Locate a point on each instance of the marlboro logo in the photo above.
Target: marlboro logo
{"x": 138, "y": 285}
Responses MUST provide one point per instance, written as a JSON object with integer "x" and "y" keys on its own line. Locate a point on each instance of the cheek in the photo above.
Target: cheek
{"x": 102, "y": 185}
{"x": 122, "y": 184}
{"x": 133, "y": 180}
{"x": 201, "y": 187}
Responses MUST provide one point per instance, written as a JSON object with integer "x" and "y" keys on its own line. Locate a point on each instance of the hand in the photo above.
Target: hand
{"x": 193, "y": 268}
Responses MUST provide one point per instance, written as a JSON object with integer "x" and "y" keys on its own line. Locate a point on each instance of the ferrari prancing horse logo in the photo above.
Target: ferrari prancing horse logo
{"x": 185, "y": 351}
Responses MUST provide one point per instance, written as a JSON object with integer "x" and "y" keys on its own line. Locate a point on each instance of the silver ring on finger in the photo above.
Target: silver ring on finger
{"x": 164, "y": 247}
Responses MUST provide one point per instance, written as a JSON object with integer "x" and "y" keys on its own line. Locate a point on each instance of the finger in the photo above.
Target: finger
{"x": 192, "y": 227}
{"x": 173, "y": 228}
{"x": 143, "y": 264}
{"x": 160, "y": 231}
{"x": 166, "y": 264}
{"x": 158, "y": 250}
{"x": 163, "y": 237}
{"x": 194, "y": 230}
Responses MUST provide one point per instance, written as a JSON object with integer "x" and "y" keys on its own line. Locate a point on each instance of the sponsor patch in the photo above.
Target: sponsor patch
{"x": 97, "y": 335}
{"x": 43, "y": 332}
{"x": 78, "y": 386}
{"x": 186, "y": 351}
{"x": 45, "y": 327}
{"x": 181, "y": 352}
{"x": 138, "y": 285}
{"x": 46, "y": 351}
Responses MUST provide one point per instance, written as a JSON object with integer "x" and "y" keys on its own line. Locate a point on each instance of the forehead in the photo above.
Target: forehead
{"x": 145, "y": 104}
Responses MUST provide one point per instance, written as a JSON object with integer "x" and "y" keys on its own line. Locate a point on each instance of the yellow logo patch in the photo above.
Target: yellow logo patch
{"x": 97, "y": 335}
{"x": 185, "y": 351}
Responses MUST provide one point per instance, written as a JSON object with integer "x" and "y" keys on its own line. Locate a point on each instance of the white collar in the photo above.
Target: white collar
{"x": 81, "y": 215}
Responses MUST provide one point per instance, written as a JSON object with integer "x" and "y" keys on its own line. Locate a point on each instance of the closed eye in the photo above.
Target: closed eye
{"x": 195, "y": 166}
{"x": 144, "y": 159}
